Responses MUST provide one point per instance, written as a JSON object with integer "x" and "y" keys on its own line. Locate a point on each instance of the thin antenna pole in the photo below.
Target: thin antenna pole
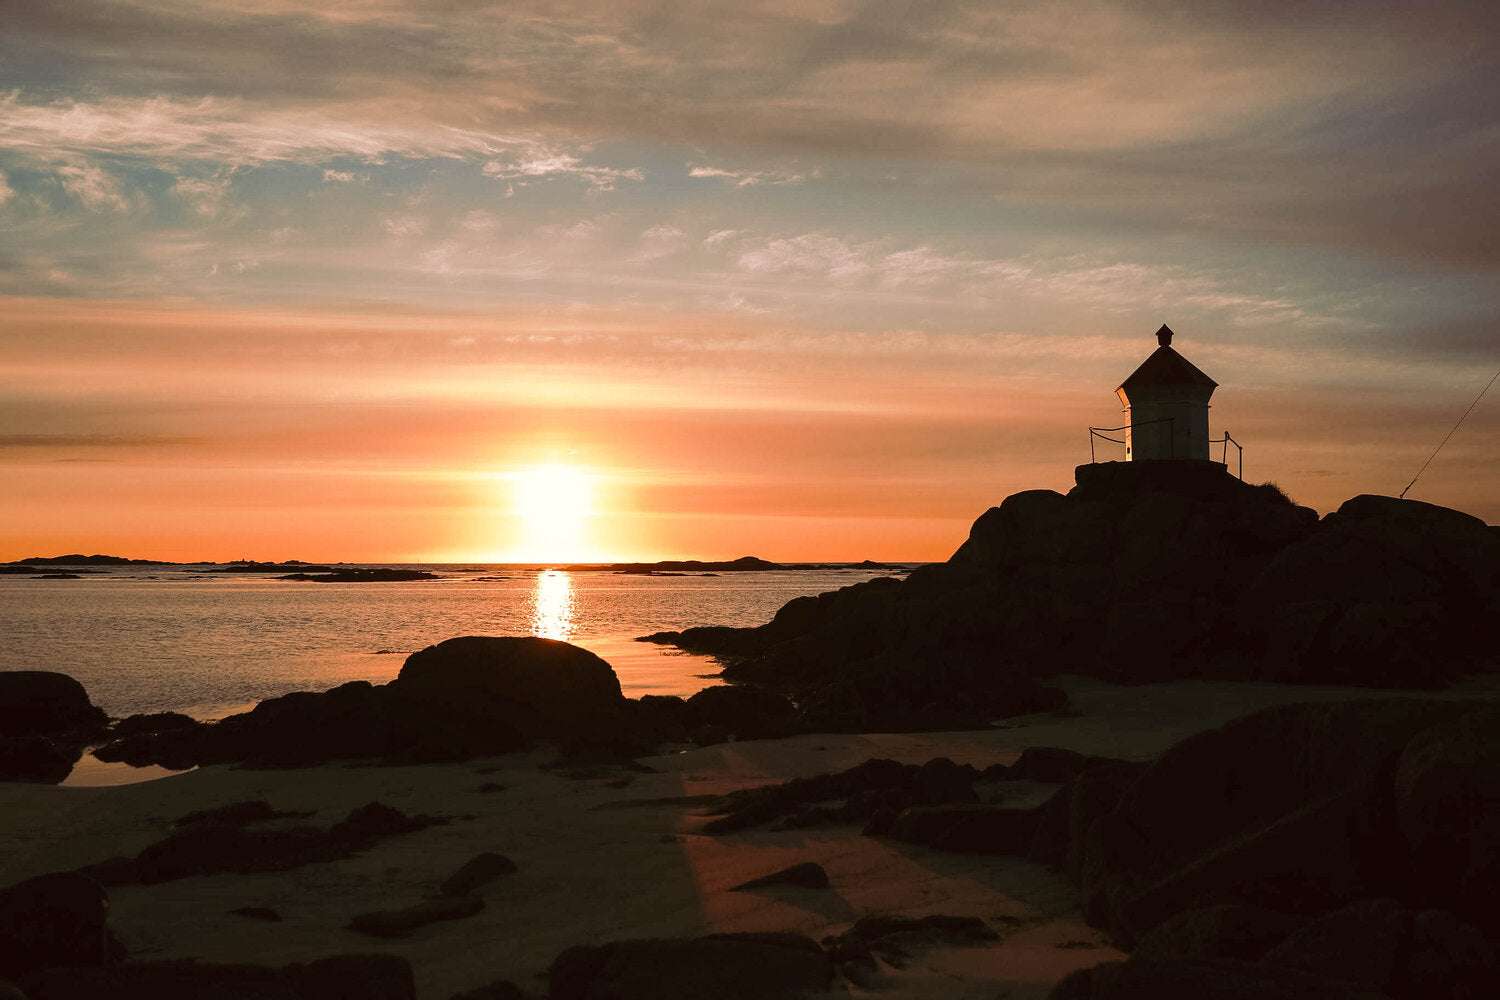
{"x": 1450, "y": 434}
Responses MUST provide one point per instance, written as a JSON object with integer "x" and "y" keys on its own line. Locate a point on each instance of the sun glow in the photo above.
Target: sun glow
{"x": 553, "y": 504}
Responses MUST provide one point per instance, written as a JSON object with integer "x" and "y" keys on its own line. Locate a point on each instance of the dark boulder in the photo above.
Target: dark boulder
{"x": 235, "y": 814}
{"x": 36, "y": 759}
{"x": 373, "y": 821}
{"x": 41, "y": 702}
{"x": 476, "y": 872}
{"x": 894, "y": 939}
{"x": 1450, "y": 958}
{"x": 1225, "y": 930}
{"x": 207, "y": 848}
{"x": 1291, "y": 808}
{"x": 1448, "y": 809}
{"x": 717, "y": 967}
{"x": 402, "y": 921}
{"x": 1381, "y": 945}
{"x": 489, "y": 694}
{"x": 1383, "y": 593}
{"x": 665, "y": 718}
{"x": 1054, "y": 764}
{"x": 747, "y": 712}
{"x": 154, "y": 722}
{"x": 1365, "y": 943}
{"x": 308, "y": 727}
{"x": 968, "y": 829}
{"x": 54, "y": 919}
{"x": 177, "y": 748}
{"x": 942, "y": 782}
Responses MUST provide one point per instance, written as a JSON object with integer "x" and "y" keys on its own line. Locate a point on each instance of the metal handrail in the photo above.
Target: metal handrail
{"x": 1226, "y": 441}
{"x": 1095, "y": 432}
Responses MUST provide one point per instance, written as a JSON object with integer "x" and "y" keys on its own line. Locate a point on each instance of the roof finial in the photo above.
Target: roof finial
{"x": 1164, "y": 336}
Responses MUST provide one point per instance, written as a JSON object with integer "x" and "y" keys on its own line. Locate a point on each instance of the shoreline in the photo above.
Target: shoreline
{"x": 600, "y": 857}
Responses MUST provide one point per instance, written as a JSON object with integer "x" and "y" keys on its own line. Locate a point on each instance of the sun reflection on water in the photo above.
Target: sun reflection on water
{"x": 553, "y": 608}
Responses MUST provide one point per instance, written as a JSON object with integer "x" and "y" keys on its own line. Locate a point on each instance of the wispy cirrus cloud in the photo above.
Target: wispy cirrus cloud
{"x": 232, "y": 131}
{"x": 747, "y": 178}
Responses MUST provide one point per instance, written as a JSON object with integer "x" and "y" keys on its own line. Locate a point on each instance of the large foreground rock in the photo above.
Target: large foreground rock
{"x": 41, "y": 702}
{"x": 1144, "y": 571}
{"x": 461, "y": 698}
{"x": 1292, "y": 808}
{"x": 56, "y": 919}
{"x": 484, "y": 690}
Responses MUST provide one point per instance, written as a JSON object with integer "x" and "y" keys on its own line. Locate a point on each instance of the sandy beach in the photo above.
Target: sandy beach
{"x": 607, "y": 852}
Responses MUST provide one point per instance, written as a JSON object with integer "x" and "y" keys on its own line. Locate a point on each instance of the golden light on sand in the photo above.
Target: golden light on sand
{"x": 553, "y": 504}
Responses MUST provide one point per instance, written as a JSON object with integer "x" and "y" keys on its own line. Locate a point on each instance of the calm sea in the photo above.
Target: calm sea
{"x": 150, "y": 639}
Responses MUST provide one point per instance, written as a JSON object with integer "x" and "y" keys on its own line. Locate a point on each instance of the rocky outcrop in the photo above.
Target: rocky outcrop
{"x": 36, "y": 759}
{"x": 744, "y": 712}
{"x": 44, "y": 703}
{"x": 527, "y": 688}
{"x": 229, "y": 840}
{"x": 461, "y": 698}
{"x": 478, "y": 871}
{"x": 1321, "y": 850}
{"x": 1343, "y": 849}
{"x": 402, "y": 921}
{"x": 46, "y": 719}
{"x": 54, "y": 919}
{"x": 1144, "y": 571}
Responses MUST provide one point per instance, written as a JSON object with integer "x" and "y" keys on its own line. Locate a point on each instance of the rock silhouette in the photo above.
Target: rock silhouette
{"x": 1143, "y": 571}
{"x": 461, "y": 698}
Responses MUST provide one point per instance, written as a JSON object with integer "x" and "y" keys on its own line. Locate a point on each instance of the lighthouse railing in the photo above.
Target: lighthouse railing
{"x": 1099, "y": 432}
{"x": 1226, "y": 441}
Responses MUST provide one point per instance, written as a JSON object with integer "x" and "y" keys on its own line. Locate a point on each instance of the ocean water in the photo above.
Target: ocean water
{"x": 169, "y": 638}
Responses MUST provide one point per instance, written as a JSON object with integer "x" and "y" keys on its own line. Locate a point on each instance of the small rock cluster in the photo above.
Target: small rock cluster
{"x": 465, "y": 697}
{"x": 230, "y": 839}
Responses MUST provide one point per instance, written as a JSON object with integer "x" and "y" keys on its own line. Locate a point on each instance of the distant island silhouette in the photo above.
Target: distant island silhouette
{"x": 744, "y": 564}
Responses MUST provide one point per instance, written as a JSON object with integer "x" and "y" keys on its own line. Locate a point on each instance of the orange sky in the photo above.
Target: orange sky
{"x": 182, "y": 433}
{"x": 811, "y": 281}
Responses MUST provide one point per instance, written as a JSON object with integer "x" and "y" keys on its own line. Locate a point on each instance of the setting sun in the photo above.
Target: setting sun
{"x": 553, "y": 504}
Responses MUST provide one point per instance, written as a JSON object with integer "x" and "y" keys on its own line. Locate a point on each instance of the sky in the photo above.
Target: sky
{"x": 373, "y": 280}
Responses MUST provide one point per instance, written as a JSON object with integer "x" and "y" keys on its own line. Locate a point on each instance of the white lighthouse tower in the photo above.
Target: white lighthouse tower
{"x": 1166, "y": 401}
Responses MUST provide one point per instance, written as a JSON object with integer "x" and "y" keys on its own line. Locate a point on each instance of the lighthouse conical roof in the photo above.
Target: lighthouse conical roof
{"x": 1165, "y": 367}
